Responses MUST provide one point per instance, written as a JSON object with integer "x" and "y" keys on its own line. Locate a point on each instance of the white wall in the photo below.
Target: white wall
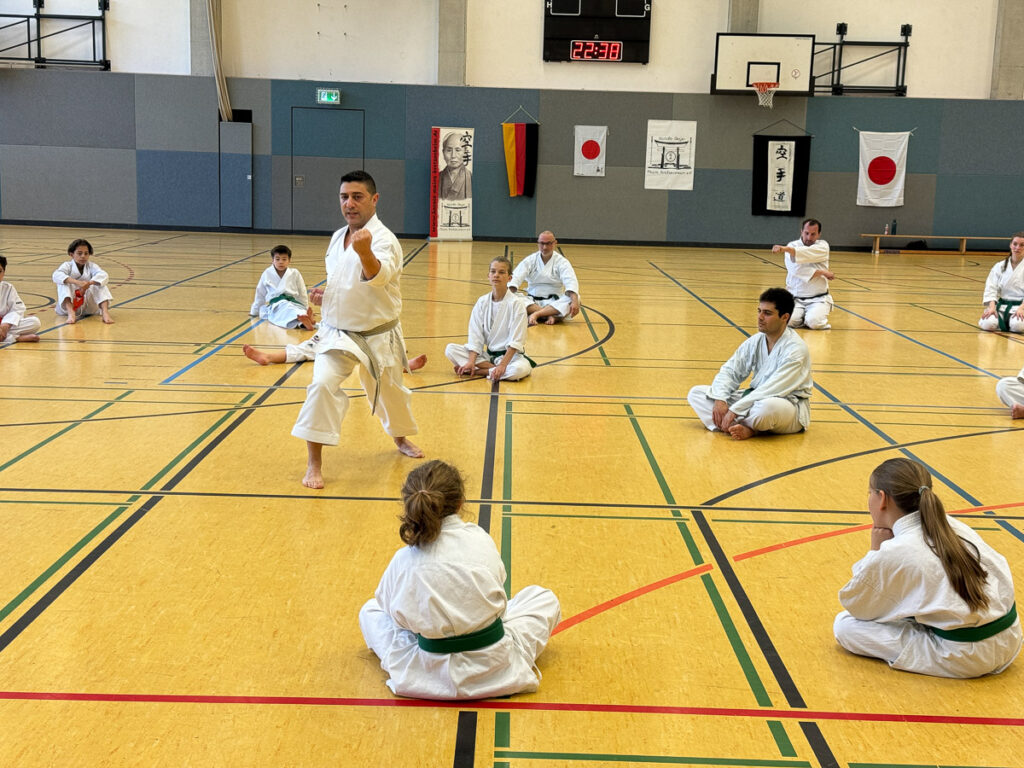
{"x": 380, "y": 41}
{"x": 504, "y": 43}
{"x": 951, "y": 46}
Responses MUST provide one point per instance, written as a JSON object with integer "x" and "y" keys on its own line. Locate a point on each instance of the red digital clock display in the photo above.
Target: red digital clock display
{"x": 595, "y": 50}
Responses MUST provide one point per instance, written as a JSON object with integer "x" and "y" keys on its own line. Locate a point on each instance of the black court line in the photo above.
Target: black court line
{"x": 26, "y": 619}
{"x": 465, "y": 740}
{"x": 490, "y": 448}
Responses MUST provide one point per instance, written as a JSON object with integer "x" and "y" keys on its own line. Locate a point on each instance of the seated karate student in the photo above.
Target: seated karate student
{"x": 439, "y": 620}
{"x": 931, "y": 596}
{"x": 14, "y": 326}
{"x": 1010, "y": 390}
{"x": 1004, "y": 291}
{"x": 82, "y": 285}
{"x": 281, "y": 297}
{"x": 497, "y": 332}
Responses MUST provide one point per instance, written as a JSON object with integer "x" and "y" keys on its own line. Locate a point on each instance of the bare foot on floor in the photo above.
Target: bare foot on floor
{"x": 550, "y": 320}
{"x": 107, "y": 318}
{"x": 741, "y": 432}
{"x": 408, "y": 448}
{"x": 259, "y": 357}
{"x": 1017, "y": 412}
{"x": 417, "y": 362}
{"x": 35, "y": 337}
{"x": 313, "y": 478}
{"x": 71, "y": 319}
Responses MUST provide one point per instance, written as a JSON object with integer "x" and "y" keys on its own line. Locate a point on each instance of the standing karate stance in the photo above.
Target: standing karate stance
{"x": 439, "y": 620}
{"x": 931, "y": 596}
{"x": 360, "y": 308}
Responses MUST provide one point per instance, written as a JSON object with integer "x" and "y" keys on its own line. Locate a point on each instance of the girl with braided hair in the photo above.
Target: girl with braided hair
{"x": 439, "y": 621}
{"x": 931, "y": 596}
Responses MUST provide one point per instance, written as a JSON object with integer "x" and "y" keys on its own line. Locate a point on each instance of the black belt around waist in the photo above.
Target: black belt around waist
{"x": 552, "y": 297}
{"x": 471, "y": 642}
{"x": 985, "y": 631}
{"x": 815, "y": 296}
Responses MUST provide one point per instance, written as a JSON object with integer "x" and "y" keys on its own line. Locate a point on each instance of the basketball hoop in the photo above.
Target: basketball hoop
{"x": 765, "y": 93}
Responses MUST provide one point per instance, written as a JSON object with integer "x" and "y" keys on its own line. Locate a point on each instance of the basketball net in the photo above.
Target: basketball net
{"x": 765, "y": 93}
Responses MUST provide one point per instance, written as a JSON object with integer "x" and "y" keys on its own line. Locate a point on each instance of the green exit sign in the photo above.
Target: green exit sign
{"x": 328, "y": 96}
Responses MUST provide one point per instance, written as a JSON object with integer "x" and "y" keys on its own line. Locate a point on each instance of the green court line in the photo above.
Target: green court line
{"x": 502, "y": 730}
{"x": 745, "y": 662}
{"x": 660, "y": 759}
{"x": 214, "y": 341}
{"x": 916, "y": 765}
{"x": 594, "y": 334}
{"x": 778, "y": 730}
{"x": 60, "y": 432}
{"x": 77, "y": 547}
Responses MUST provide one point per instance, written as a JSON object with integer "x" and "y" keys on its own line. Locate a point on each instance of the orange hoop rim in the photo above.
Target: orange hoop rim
{"x": 764, "y": 86}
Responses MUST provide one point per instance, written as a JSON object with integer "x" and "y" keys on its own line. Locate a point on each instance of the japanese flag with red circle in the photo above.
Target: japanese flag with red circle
{"x": 883, "y": 168}
{"x": 590, "y": 145}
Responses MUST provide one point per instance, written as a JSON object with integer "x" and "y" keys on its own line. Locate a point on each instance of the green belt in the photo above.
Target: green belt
{"x": 471, "y": 642}
{"x": 985, "y": 631}
{"x": 285, "y": 297}
{"x": 1005, "y": 308}
{"x": 497, "y": 354}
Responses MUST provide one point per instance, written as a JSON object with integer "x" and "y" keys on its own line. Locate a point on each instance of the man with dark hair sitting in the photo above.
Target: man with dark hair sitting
{"x": 779, "y": 365}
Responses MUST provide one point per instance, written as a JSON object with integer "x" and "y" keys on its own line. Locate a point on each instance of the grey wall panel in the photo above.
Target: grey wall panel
{"x": 615, "y": 207}
{"x": 262, "y": 192}
{"x": 725, "y": 137}
{"x": 178, "y": 189}
{"x": 68, "y": 184}
{"x": 982, "y": 137}
{"x": 315, "y": 202}
{"x": 495, "y": 214}
{"x": 390, "y": 178}
{"x": 176, "y": 113}
{"x": 281, "y": 192}
{"x": 254, "y": 95}
{"x": 832, "y": 198}
{"x": 67, "y": 108}
{"x": 625, "y": 114}
{"x": 978, "y": 205}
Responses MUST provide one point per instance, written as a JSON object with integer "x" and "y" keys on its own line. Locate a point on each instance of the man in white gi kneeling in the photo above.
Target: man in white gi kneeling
{"x": 777, "y": 360}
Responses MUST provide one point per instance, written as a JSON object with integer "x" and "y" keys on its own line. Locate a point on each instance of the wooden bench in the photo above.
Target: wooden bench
{"x": 877, "y": 238}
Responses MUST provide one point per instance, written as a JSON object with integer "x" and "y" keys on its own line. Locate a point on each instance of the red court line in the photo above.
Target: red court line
{"x": 335, "y": 701}
{"x": 795, "y": 542}
{"x": 609, "y": 604}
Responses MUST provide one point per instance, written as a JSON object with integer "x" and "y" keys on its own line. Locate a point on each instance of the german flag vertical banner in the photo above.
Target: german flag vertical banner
{"x": 520, "y": 141}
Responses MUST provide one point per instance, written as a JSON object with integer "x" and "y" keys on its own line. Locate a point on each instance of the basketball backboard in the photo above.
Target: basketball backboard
{"x": 742, "y": 59}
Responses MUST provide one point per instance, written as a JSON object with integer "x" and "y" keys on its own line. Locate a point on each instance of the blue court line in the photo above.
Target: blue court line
{"x": 212, "y": 352}
{"x": 935, "y": 473}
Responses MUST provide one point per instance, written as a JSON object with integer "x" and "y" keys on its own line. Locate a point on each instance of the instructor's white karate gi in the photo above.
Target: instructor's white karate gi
{"x": 449, "y": 587}
{"x": 285, "y": 311}
{"x": 780, "y": 388}
{"x": 813, "y": 301}
{"x": 547, "y": 284}
{"x": 900, "y": 590}
{"x": 12, "y": 313}
{"x": 1006, "y": 284}
{"x": 94, "y": 295}
{"x": 496, "y": 326}
{"x": 353, "y": 303}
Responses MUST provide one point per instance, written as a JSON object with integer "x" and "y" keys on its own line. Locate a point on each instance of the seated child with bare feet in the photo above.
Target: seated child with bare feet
{"x": 281, "y": 296}
{"x": 497, "y": 332}
{"x": 82, "y": 285}
{"x": 14, "y": 326}
{"x": 1011, "y": 391}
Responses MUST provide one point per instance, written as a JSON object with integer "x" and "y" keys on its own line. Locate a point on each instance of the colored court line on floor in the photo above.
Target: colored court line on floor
{"x": 797, "y": 542}
{"x": 204, "y": 345}
{"x": 758, "y": 713}
{"x": 212, "y": 352}
{"x": 655, "y": 759}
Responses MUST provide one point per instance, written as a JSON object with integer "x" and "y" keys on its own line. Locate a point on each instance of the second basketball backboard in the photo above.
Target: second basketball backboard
{"x": 743, "y": 59}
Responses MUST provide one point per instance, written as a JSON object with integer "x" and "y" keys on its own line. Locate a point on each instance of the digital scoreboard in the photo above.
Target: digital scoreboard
{"x": 597, "y": 30}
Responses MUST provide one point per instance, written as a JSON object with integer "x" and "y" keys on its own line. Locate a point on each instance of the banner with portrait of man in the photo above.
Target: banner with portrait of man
{"x": 451, "y": 183}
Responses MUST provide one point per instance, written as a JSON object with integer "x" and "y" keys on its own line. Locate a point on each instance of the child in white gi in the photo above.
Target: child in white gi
{"x": 439, "y": 621}
{"x": 14, "y": 325}
{"x": 931, "y": 596}
{"x": 281, "y": 297}
{"x": 82, "y": 285}
{"x": 1010, "y": 390}
{"x": 497, "y": 332}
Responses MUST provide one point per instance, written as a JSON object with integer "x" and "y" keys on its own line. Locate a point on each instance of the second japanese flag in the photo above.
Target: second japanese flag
{"x": 589, "y": 158}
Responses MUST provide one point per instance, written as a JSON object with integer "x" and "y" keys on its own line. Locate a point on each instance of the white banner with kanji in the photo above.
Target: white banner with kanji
{"x": 588, "y": 159}
{"x": 883, "y": 168}
{"x": 780, "y": 175}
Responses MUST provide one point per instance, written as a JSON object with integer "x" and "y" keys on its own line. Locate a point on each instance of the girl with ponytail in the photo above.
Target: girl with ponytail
{"x": 1004, "y": 291}
{"x": 931, "y": 596}
{"x": 439, "y": 621}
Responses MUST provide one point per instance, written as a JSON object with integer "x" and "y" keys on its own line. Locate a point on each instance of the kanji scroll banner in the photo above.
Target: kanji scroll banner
{"x": 779, "y": 175}
{"x": 520, "y": 140}
{"x": 451, "y": 183}
{"x": 883, "y": 168}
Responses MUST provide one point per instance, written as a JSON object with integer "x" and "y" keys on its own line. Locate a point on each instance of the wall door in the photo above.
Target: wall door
{"x": 327, "y": 143}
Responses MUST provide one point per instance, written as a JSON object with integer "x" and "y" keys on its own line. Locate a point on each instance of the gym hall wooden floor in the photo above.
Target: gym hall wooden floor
{"x": 171, "y": 595}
